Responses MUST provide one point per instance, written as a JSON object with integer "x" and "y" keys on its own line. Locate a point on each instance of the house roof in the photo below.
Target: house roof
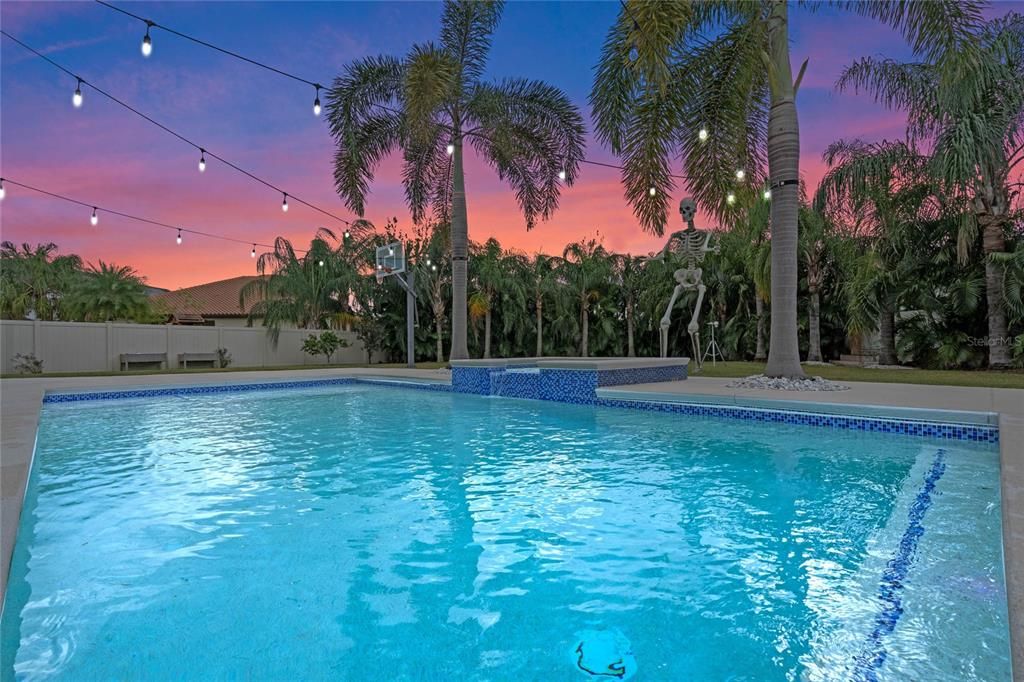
{"x": 214, "y": 299}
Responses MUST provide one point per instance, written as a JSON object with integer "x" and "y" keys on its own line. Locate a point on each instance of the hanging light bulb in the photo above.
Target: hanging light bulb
{"x": 284, "y": 203}
{"x": 561, "y": 175}
{"x": 434, "y": 268}
{"x": 94, "y": 219}
{"x": 321, "y": 263}
{"x": 391, "y": 251}
{"x": 253, "y": 252}
{"x": 740, "y": 174}
{"x": 316, "y": 102}
{"x": 3, "y": 192}
{"x": 347, "y": 235}
{"x": 450, "y": 149}
{"x": 179, "y": 236}
{"x": 428, "y": 261}
{"x": 147, "y": 42}
{"x": 652, "y": 191}
{"x": 76, "y": 99}
{"x": 767, "y": 195}
{"x": 730, "y": 198}
{"x": 702, "y": 134}
{"x": 202, "y": 160}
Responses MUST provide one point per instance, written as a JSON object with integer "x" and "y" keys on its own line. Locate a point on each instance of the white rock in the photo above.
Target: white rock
{"x": 783, "y": 384}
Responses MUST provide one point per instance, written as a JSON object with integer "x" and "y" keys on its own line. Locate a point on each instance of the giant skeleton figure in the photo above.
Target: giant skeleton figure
{"x": 691, "y": 246}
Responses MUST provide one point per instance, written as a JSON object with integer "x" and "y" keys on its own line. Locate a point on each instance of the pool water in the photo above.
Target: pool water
{"x": 372, "y": 533}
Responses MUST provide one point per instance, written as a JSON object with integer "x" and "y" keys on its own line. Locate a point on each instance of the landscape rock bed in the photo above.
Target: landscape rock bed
{"x": 783, "y": 384}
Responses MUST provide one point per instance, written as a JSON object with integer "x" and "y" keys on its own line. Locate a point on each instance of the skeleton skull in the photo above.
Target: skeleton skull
{"x": 688, "y": 209}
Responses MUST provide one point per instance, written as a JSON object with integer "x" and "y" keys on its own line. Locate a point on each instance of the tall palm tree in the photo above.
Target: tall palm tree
{"x": 431, "y": 104}
{"x": 586, "y": 270}
{"x": 660, "y": 82}
{"x": 971, "y": 111}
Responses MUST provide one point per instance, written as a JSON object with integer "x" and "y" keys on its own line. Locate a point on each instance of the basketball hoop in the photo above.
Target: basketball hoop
{"x": 390, "y": 260}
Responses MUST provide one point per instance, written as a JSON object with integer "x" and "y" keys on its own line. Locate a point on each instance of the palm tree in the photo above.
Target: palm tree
{"x": 306, "y": 290}
{"x": 35, "y": 280}
{"x": 496, "y": 278}
{"x": 586, "y": 270}
{"x": 107, "y": 292}
{"x": 815, "y": 254}
{"x": 660, "y": 82}
{"x": 969, "y": 108}
{"x": 629, "y": 274}
{"x": 542, "y": 282}
{"x": 429, "y": 105}
{"x": 885, "y": 185}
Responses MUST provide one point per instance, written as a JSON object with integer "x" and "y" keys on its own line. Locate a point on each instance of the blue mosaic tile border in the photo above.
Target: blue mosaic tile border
{"x": 872, "y": 658}
{"x": 192, "y": 390}
{"x": 972, "y": 432}
{"x": 640, "y": 375}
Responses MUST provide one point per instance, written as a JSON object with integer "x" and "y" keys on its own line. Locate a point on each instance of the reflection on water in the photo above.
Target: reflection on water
{"x": 374, "y": 533}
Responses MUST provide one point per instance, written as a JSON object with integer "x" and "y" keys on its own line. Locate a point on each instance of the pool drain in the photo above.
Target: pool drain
{"x": 604, "y": 654}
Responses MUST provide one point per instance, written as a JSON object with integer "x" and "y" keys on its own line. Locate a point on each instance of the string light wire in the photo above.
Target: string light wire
{"x": 137, "y": 218}
{"x": 315, "y": 84}
{"x": 202, "y": 149}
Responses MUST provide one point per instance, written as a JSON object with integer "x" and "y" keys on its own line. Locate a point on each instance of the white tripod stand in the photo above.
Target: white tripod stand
{"x": 713, "y": 348}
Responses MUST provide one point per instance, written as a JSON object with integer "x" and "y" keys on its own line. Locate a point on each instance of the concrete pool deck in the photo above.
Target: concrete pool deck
{"x": 21, "y": 400}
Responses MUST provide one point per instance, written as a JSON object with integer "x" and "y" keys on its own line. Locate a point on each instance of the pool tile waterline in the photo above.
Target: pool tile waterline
{"x": 576, "y": 387}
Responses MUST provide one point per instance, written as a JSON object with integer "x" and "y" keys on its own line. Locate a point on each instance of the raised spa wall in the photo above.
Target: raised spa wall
{"x": 567, "y": 380}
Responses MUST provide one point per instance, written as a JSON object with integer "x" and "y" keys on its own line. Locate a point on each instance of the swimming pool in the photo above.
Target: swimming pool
{"x": 371, "y": 533}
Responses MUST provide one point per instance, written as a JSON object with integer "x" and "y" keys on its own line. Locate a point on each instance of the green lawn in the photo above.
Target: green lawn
{"x": 1007, "y": 379}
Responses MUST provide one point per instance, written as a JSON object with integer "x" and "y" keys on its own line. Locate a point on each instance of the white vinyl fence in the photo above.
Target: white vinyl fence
{"x": 95, "y": 347}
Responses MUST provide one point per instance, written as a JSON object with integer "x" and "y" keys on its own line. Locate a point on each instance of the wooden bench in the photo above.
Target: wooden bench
{"x": 142, "y": 358}
{"x": 185, "y": 358}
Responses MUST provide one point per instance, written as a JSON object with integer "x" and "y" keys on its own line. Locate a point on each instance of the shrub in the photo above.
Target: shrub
{"x": 27, "y": 364}
{"x": 223, "y": 357}
{"x": 326, "y": 343}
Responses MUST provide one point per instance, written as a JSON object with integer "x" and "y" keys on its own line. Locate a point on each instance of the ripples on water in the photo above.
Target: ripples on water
{"x": 379, "y": 534}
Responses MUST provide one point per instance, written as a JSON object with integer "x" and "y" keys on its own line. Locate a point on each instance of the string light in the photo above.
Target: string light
{"x": 147, "y": 42}
{"x": 284, "y": 203}
{"x": 730, "y": 198}
{"x": 450, "y": 149}
{"x": 434, "y": 268}
{"x": 767, "y": 195}
{"x": 166, "y": 129}
{"x": 561, "y": 175}
{"x": 652, "y": 191}
{"x": 95, "y": 219}
{"x": 3, "y": 192}
{"x": 321, "y": 263}
{"x": 316, "y": 102}
{"x": 347, "y": 235}
{"x": 179, "y": 237}
{"x": 76, "y": 99}
{"x": 740, "y": 174}
{"x": 202, "y": 160}
{"x": 253, "y": 253}
{"x": 702, "y": 134}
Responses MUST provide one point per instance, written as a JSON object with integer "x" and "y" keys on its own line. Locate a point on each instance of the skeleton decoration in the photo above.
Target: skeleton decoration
{"x": 691, "y": 246}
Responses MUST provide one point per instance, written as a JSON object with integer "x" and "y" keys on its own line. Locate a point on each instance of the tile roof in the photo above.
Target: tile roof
{"x": 214, "y": 299}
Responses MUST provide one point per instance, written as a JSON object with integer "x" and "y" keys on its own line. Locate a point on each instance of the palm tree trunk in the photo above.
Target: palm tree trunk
{"x": 814, "y": 329}
{"x": 586, "y": 324}
{"x": 487, "y": 332}
{"x": 630, "y": 349}
{"x": 784, "y": 172}
{"x": 998, "y": 333}
{"x": 540, "y": 327}
{"x": 440, "y": 338}
{"x": 460, "y": 252}
{"x": 887, "y": 335}
{"x": 759, "y": 352}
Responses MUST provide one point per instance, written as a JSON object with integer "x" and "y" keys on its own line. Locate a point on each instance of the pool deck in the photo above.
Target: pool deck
{"x": 21, "y": 400}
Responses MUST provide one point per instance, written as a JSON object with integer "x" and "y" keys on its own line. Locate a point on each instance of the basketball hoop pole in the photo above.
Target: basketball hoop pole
{"x": 410, "y": 317}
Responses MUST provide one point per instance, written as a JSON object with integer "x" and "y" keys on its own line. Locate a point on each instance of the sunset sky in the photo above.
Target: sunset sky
{"x": 103, "y": 154}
